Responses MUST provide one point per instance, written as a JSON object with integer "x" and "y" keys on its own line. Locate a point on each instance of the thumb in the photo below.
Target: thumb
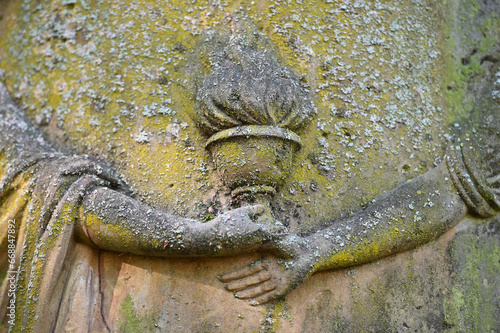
{"x": 253, "y": 211}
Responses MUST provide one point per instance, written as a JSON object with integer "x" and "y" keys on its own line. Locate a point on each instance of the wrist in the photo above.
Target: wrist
{"x": 311, "y": 254}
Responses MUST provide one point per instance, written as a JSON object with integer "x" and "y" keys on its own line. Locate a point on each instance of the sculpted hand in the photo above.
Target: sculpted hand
{"x": 239, "y": 230}
{"x": 271, "y": 277}
{"x": 264, "y": 280}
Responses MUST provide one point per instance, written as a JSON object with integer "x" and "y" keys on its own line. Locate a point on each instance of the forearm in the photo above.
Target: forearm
{"x": 113, "y": 221}
{"x": 404, "y": 218}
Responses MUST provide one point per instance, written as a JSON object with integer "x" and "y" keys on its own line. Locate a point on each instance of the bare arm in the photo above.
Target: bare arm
{"x": 410, "y": 215}
{"x": 113, "y": 221}
{"x": 110, "y": 218}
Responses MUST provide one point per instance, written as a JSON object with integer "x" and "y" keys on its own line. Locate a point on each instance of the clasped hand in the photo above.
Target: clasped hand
{"x": 243, "y": 229}
{"x": 281, "y": 270}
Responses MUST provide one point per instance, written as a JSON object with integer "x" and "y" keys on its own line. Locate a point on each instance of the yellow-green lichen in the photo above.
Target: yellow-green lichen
{"x": 132, "y": 322}
{"x": 472, "y": 305}
{"x": 130, "y": 92}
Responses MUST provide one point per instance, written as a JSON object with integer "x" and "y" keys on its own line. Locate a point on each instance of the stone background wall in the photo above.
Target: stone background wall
{"x": 116, "y": 80}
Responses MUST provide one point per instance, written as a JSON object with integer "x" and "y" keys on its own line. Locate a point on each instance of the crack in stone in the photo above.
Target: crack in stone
{"x": 100, "y": 291}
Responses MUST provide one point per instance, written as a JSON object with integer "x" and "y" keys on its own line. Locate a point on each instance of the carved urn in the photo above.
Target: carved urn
{"x": 252, "y": 106}
{"x": 253, "y": 159}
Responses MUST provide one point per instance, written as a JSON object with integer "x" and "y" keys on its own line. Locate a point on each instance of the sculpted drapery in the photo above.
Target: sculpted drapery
{"x": 51, "y": 200}
{"x": 60, "y": 214}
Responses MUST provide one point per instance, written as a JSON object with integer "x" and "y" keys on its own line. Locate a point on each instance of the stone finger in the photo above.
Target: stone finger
{"x": 244, "y": 283}
{"x": 86, "y": 182}
{"x": 264, "y": 298}
{"x": 76, "y": 166}
{"x": 254, "y": 211}
{"x": 242, "y": 272}
{"x": 257, "y": 290}
{"x": 250, "y": 211}
{"x": 108, "y": 174}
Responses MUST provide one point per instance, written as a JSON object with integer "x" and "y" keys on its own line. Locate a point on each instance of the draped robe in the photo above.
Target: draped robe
{"x": 37, "y": 212}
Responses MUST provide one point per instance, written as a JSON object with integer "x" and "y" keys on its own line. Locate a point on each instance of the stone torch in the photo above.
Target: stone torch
{"x": 251, "y": 106}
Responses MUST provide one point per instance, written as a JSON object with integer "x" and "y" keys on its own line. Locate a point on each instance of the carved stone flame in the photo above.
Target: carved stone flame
{"x": 251, "y": 105}
{"x": 249, "y": 87}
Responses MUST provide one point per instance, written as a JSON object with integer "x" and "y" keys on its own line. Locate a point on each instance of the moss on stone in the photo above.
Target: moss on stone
{"x": 129, "y": 95}
{"x": 473, "y": 304}
{"x": 132, "y": 322}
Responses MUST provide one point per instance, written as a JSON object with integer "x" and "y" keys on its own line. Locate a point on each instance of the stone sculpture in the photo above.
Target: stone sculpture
{"x": 251, "y": 105}
{"x": 75, "y": 215}
{"x": 77, "y": 197}
{"x": 241, "y": 99}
